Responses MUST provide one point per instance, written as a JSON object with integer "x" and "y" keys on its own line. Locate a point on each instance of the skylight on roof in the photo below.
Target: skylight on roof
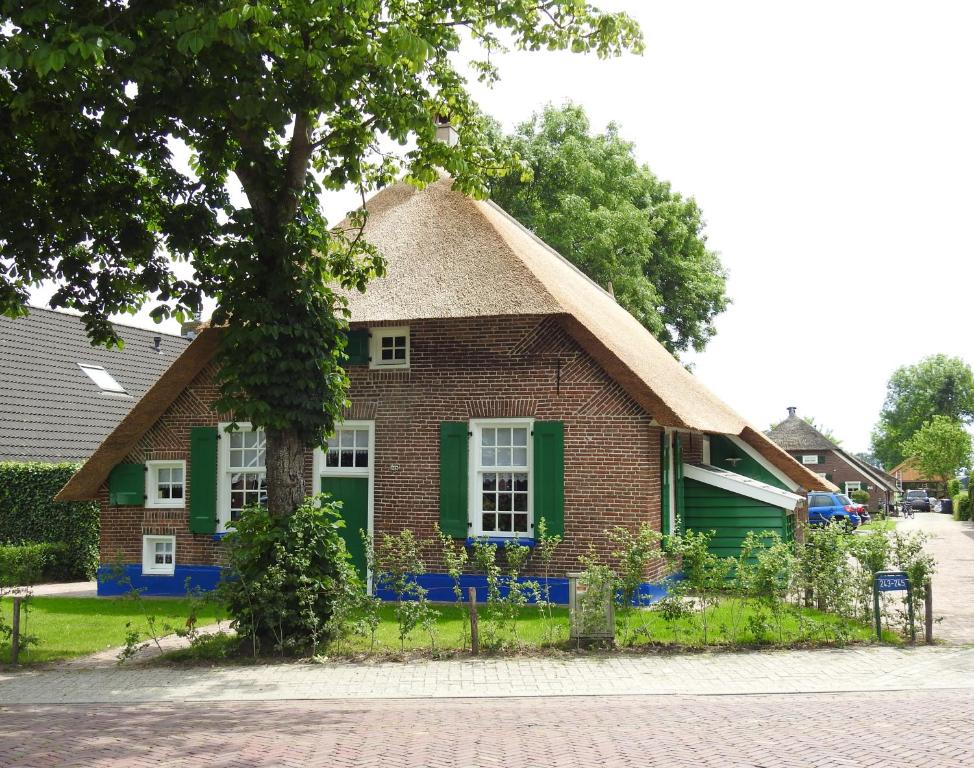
{"x": 102, "y": 378}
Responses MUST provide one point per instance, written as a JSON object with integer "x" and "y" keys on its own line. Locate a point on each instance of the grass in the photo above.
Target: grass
{"x": 731, "y": 624}
{"x": 878, "y": 525}
{"x": 67, "y": 627}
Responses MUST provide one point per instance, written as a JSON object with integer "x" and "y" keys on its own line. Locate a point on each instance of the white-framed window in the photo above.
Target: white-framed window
{"x": 810, "y": 458}
{"x": 852, "y": 485}
{"x": 159, "y": 555}
{"x": 166, "y": 484}
{"x": 242, "y": 471}
{"x": 102, "y": 379}
{"x": 500, "y": 477}
{"x": 389, "y": 347}
{"x": 348, "y": 449}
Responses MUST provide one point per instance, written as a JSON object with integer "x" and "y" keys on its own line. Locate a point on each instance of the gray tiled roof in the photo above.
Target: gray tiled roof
{"x": 796, "y": 434}
{"x": 49, "y": 409}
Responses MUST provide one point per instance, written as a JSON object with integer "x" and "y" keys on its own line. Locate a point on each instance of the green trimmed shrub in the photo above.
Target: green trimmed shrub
{"x": 29, "y": 515}
{"x": 962, "y": 506}
{"x": 953, "y": 487}
{"x": 859, "y": 496}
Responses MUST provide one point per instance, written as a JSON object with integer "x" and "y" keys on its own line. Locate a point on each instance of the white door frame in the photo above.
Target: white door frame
{"x": 319, "y": 470}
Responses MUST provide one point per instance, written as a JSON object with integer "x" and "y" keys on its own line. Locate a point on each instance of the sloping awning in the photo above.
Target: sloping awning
{"x": 741, "y": 485}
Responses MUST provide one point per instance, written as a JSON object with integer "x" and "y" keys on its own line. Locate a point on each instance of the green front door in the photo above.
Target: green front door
{"x": 353, "y": 492}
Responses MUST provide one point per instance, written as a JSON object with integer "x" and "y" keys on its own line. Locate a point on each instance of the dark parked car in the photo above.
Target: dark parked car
{"x": 823, "y": 508}
{"x": 917, "y": 499}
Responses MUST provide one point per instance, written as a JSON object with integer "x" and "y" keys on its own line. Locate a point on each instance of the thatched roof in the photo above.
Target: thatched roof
{"x": 796, "y": 434}
{"x": 451, "y": 256}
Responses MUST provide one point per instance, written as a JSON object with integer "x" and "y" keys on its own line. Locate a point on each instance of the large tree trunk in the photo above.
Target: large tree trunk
{"x": 285, "y": 471}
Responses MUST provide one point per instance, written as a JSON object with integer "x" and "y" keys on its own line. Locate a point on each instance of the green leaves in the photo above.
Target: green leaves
{"x": 941, "y": 447}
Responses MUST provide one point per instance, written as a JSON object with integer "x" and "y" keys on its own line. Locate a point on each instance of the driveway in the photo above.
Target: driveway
{"x": 952, "y": 543}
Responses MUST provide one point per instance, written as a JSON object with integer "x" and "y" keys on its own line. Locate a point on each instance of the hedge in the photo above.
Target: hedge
{"x": 962, "y": 506}
{"x": 29, "y": 515}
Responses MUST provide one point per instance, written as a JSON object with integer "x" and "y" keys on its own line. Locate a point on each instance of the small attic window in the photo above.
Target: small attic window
{"x": 102, "y": 378}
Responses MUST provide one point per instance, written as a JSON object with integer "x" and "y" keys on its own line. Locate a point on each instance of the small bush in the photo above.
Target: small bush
{"x": 285, "y": 576}
{"x": 860, "y": 497}
{"x": 953, "y": 487}
{"x": 962, "y": 506}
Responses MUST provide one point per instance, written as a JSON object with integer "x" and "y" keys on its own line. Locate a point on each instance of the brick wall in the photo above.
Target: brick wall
{"x": 459, "y": 370}
{"x": 840, "y": 471}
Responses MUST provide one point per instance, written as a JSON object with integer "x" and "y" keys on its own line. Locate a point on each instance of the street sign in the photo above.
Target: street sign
{"x": 893, "y": 581}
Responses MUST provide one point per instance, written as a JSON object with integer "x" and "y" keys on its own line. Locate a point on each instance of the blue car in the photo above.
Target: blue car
{"x": 823, "y": 508}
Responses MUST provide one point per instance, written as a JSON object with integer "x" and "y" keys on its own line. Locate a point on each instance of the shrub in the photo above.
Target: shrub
{"x": 953, "y": 487}
{"x": 23, "y": 564}
{"x": 962, "y": 506}
{"x": 285, "y": 575}
{"x": 29, "y": 515}
{"x": 859, "y": 496}
{"x": 399, "y": 562}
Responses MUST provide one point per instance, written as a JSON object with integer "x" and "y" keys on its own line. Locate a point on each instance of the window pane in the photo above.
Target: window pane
{"x": 348, "y": 457}
{"x": 487, "y": 437}
{"x": 487, "y": 457}
{"x": 250, "y": 457}
{"x": 487, "y": 523}
{"x": 387, "y": 354}
{"x": 236, "y": 482}
{"x": 237, "y": 500}
{"x": 488, "y": 504}
{"x": 490, "y": 481}
{"x": 348, "y": 438}
{"x": 504, "y": 482}
{"x": 504, "y": 523}
{"x": 333, "y": 441}
{"x": 361, "y": 438}
{"x": 520, "y": 457}
{"x": 163, "y": 492}
{"x": 160, "y": 558}
{"x": 250, "y": 482}
{"x": 331, "y": 459}
{"x": 504, "y": 436}
{"x": 236, "y": 439}
{"x": 520, "y": 481}
{"x": 504, "y": 502}
{"x": 361, "y": 458}
{"x": 520, "y": 502}
{"x": 520, "y": 436}
{"x": 176, "y": 492}
{"x": 177, "y": 474}
{"x": 163, "y": 475}
{"x": 521, "y": 523}
{"x": 387, "y": 342}
{"x": 503, "y": 457}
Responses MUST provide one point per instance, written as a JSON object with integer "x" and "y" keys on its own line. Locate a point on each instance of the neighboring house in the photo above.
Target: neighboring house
{"x": 60, "y": 396}
{"x": 910, "y": 477}
{"x": 492, "y": 385}
{"x": 819, "y": 454}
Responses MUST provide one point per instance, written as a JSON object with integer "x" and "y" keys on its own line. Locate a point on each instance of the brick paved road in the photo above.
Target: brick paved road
{"x": 923, "y": 729}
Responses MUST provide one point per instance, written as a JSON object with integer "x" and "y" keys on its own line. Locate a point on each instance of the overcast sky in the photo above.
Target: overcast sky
{"x": 829, "y": 145}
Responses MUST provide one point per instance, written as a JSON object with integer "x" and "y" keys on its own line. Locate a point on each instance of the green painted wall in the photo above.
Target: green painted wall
{"x": 731, "y": 516}
{"x": 721, "y": 448}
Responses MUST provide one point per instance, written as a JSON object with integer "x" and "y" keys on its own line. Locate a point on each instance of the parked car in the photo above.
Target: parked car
{"x": 824, "y": 508}
{"x": 917, "y": 499}
{"x": 860, "y": 509}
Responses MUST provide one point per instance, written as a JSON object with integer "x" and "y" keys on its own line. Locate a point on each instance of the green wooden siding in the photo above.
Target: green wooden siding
{"x": 714, "y": 509}
{"x": 721, "y": 449}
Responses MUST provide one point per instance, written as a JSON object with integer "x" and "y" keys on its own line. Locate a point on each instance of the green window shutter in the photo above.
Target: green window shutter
{"x": 126, "y": 485}
{"x": 357, "y": 347}
{"x": 549, "y": 475}
{"x": 665, "y": 507}
{"x": 678, "y": 480}
{"x": 202, "y": 473}
{"x": 454, "y": 480}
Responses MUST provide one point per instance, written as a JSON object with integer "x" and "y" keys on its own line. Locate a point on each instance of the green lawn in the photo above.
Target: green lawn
{"x": 67, "y": 627}
{"x": 878, "y": 525}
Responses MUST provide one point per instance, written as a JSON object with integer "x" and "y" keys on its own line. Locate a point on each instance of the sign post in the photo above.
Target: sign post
{"x": 893, "y": 581}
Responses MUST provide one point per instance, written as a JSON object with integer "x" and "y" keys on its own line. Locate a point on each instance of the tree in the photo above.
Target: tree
{"x": 937, "y": 385}
{"x": 825, "y": 431}
{"x": 941, "y": 447}
{"x": 284, "y": 97}
{"x": 613, "y": 218}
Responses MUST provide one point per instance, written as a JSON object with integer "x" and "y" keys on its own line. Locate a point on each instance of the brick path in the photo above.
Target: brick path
{"x": 952, "y": 543}
{"x": 892, "y": 730}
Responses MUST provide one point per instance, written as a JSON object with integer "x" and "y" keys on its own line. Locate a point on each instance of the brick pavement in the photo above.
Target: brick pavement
{"x": 952, "y": 543}
{"x": 893, "y": 730}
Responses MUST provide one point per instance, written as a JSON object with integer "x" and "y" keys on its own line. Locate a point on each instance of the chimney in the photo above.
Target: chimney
{"x": 190, "y": 328}
{"x": 157, "y": 344}
{"x": 445, "y": 131}
{"x": 791, "y": 411}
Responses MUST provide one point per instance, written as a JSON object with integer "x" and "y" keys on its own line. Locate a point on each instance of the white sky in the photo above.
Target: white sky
{"x": 829, "y": 145}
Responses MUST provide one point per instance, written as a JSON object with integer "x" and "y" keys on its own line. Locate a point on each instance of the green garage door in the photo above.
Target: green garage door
{"x": 353, "y": 492}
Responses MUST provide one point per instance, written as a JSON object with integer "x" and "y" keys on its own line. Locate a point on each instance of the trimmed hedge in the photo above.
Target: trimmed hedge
{"x": 962, "y": 506}
{"x": 29, "y": 515}
{"x": 28, "y": 564}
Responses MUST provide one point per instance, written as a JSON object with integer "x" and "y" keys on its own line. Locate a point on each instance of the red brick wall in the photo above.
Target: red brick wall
{"x": 459, "y": 369}
{"x": 840, "y": 471}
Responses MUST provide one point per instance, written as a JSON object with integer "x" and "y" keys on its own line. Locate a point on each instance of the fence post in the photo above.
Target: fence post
{"x": 15, "y": 636}
{"x": 472, "y": 604}
{"x": 928, "y": 612}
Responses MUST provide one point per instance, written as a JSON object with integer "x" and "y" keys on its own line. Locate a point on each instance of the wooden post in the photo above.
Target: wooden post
{"x": 15, "y": 636}
{"x": 472, "y": 604}
{"x": 928, "y": 612}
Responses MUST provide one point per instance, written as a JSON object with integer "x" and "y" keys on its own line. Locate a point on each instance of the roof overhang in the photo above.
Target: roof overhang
{"x": 86, "y": 482}
{"x": 742, "y": 486}
{"x": 785, "y": 462}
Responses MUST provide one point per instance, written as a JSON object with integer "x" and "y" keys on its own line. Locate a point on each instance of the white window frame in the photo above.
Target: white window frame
{"x": 376, "y": 335}
{"x": 223, "y": 472}
{"x": 149, "y": 566}
{"x": 812, "y": 456}
{"x": 152, "y": 485}
{"x": 852, "y": 485}
{"x": 475, "y": 484}
{"x": 102, "y": 379}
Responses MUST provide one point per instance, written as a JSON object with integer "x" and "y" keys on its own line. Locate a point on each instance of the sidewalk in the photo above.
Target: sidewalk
{"x": 771, "y": 672}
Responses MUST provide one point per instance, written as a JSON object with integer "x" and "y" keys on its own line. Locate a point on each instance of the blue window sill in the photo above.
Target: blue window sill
{"x": 218, "y": 536}
{"x": 501, "y": 541}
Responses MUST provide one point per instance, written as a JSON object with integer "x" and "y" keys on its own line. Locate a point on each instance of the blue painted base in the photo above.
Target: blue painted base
{"x": 438, "y": 586}
{"x": 204, "y": 577}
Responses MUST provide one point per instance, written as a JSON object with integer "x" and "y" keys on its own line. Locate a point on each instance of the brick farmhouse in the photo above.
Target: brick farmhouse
{"x": 492, "y": 385}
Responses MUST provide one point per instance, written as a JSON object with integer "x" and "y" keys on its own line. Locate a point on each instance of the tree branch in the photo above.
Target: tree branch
{"x": 296, "y": 167}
